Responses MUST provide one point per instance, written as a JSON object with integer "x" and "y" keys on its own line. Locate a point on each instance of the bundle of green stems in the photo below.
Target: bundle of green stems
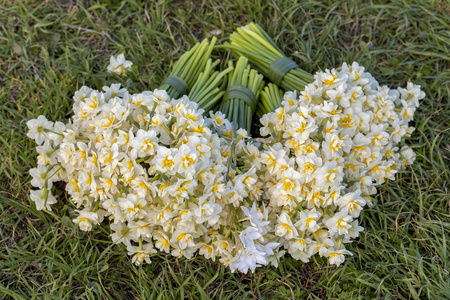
{"x": 271, "y": 98}
{"x": 242, "y": 94}
{"x": 187, "y": 69}
{"x": 210, "y": 86}
{"x": 254, "y": 43}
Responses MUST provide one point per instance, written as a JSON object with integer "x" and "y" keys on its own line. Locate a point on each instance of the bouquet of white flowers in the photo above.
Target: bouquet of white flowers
{"x": 158, "y": 175}
{"x": 169, "y": 176}
{"x": 322, "y": 162}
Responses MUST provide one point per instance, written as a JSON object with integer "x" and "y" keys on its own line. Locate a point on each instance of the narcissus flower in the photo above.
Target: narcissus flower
{"x": 119, "y": 64}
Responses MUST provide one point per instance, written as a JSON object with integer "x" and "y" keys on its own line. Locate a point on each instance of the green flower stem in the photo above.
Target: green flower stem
{"x": 316, "y": 237}
{"x": 227, "y": 235}
{"x": 49, "y": 169}
{"x": 339, "y": 243}
{"x": 158, "y": 199}
{"x": 54, "y": 173}
{"x": 163, "y": 126}
{"x": 143, "y": 159}
{"x": 52, "y": 131}
{"x": 152, "y": 113}
{"x": 96, "y": 206}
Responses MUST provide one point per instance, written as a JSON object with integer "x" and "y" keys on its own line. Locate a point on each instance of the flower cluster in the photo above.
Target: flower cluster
{"x": 155, "y": 167}
{"x": 327, "y": 151}
{"x": 168, "y": 178}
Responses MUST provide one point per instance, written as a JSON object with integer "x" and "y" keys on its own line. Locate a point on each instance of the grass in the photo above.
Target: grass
{"x": 51, "y": 48}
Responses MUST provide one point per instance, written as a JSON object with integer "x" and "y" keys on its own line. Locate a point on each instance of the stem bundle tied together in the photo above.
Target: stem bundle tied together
{"x": 242, "y": 95}
{"x": 187, "y": 69}
{"x": 254, "y": 43}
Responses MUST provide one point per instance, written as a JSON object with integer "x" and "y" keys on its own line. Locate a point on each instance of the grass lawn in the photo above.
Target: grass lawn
{"x": 49, "y": 49}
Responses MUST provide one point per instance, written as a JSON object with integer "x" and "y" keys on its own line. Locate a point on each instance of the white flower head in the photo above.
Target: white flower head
{"x": 285, "y": 228}
{"x": 119, "y": 65}
{"x": 43, "y": 198}
{"x": 86, "y": 219}
{"x": 38, "y": 129}
{"x": 309, "y": 220}
{"x": 256, "y": 218}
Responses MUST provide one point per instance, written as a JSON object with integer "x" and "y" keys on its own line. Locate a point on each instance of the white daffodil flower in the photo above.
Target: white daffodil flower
{"x": 119, "y": 64}
{"x": 38, "y": 129}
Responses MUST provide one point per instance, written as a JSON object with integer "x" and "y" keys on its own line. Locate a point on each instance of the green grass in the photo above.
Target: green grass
{"x": 48, "y": 49}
